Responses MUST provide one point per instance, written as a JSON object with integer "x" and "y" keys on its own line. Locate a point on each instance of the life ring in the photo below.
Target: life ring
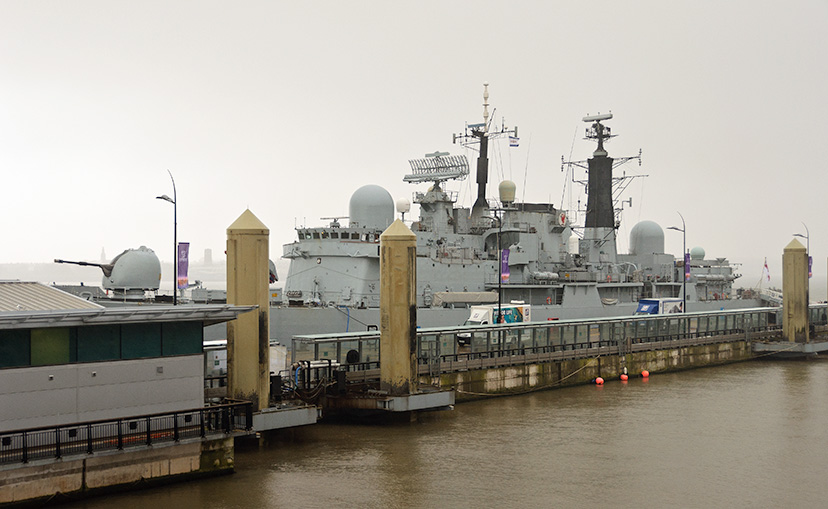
{"x": 549, "y": 300}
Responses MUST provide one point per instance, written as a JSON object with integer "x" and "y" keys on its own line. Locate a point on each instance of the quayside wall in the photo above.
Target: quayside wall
{"x": 82, "y": 475}
{"x": 480, "y": 382}
{"x": 499, "y": 359}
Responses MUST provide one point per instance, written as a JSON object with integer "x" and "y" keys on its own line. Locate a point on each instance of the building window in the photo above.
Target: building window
{"x": 181, "y": 338}
{"x": 139, "y": 340}
{"x": 99, "y": 343}
{"x": 14, "y": 348}
{"x": 53, "y": 346}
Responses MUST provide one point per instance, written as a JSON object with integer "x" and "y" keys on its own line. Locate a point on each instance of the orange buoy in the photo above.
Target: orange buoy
{"x": 599, "y": 381}
{"x": 645, "y": 373}
{"x": 624, "y": 378}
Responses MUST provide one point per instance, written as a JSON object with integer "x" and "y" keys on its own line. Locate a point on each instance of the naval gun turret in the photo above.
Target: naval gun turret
{"x": 129, "y": 274}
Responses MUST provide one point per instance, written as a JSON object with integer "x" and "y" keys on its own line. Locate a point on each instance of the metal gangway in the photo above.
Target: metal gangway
{"x": 451, "y": 349}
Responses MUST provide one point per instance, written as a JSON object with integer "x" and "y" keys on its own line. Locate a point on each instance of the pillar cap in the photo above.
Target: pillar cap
{"x": 397, "y": 231}
{"x": 795, "y": 245}
{"x": 248, "y": 223}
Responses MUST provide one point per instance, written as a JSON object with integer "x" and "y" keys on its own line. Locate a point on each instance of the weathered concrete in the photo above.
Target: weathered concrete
{"x": 398, "y": 310}
{"x": 248, "y": 348}
{"x": 481, "y": 383}
{"x": 795, "y": 292}
{"x": 82, "y": 475}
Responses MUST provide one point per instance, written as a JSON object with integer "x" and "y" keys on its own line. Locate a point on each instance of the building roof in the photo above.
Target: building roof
{"x": 25, "y": 305}
{"x": 28, "y": 296}
{"x": 208, "y": 314}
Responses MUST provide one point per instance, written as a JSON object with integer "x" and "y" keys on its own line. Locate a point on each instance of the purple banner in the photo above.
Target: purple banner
{"x": 810, "y": 266}
{"x": 183, "y": 264}
{"x": 687, "y": 266}
{"x": 504, "y": 266}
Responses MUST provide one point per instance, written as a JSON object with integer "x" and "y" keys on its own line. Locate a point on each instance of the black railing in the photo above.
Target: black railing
{"x": 112, "y": 434}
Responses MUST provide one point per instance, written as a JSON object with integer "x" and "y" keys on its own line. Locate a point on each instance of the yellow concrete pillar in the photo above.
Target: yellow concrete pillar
{"x": 248, "y": 336}
{"x": 795, "y": 292}
{"x": 398, "y": 310}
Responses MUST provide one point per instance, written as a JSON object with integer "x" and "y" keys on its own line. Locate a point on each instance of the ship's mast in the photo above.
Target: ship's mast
{"x": 481, "y": 133}
{"x": 599, "y": 198}
{"x": 598, "y": 244}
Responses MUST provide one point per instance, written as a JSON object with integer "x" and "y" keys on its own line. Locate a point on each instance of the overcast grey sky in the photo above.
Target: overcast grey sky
{"x": 288, "y": 107}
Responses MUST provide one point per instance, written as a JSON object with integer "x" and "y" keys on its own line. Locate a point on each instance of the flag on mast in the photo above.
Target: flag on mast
{"x": 765, "y": 270}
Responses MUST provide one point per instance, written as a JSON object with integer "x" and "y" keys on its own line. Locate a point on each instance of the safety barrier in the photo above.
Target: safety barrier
{"x": 112, "y": 434}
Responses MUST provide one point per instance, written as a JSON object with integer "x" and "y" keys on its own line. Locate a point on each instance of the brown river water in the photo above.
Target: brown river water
{"x": 752, "y": 434}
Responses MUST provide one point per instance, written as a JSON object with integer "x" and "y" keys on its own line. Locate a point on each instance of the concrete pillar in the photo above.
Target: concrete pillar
{"x": 248, "y": 336}
{"x": 795, "y": 292}
{"x": 398, "y": 310}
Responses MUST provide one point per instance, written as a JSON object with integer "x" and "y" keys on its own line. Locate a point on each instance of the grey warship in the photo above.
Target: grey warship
{"x": 496, "y": 251}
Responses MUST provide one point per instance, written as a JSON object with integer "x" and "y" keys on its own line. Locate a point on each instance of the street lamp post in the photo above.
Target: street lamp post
{"x": 174, "y": 201}
{"x": 807, "y": 238}
{"x": 499, "y": 267}
{"x": 683, "y": 231}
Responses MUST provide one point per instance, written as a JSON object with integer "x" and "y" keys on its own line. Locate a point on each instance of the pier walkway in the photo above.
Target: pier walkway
{"x": 447, "y": 350}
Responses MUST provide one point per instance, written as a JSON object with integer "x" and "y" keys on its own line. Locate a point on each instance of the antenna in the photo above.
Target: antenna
{"x": 485, "y": 107}
{"x": 598, "y": 131}
{"x": 480, "y": 134}
{"x": 438, "y": 167}
{"x": 334, "y": 220}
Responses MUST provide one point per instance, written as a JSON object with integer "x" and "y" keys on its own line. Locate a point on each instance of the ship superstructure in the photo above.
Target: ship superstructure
{"x": 496, "y": 251}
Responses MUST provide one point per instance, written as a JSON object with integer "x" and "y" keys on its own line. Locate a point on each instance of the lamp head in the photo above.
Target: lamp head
{"x": 165, "y": 198}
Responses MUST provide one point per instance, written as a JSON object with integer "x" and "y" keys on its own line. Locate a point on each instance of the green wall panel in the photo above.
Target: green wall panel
{"x": 140, "y": 340}
{"x": 99, "y": 343}
{"x": 182, "y": 338}
{"x": 14, "y": 348}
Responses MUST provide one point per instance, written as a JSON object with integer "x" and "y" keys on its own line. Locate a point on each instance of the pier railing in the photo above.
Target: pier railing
{"x": 467, "y": 347}
{"x": 112, "y": 434}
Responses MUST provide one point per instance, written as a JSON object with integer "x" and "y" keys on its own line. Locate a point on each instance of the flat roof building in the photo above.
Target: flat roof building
{"x": 64, "y": 359}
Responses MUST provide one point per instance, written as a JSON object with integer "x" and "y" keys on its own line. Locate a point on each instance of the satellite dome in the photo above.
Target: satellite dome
{"x": 371, "y": 207}
{"x": 507, "y": 189}
{"x": 697, "y": 253}
{"x": 646, "y": 238}
{"x": 134, "y": 269}
{"x": 403, "y": 205}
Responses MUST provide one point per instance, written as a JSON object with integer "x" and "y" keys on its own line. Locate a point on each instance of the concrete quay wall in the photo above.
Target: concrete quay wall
{"x": 79, "y": 476}
{"x": 481, "y": 383}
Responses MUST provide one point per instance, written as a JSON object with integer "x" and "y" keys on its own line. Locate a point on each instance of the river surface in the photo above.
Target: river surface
{"x": 746, "y": 435}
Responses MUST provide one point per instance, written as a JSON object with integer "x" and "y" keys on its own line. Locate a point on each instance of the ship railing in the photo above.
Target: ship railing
{"x": 86, "y": 438}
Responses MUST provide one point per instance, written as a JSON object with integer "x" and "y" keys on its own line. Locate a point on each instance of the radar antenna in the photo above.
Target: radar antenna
{"x": 437, "y": 167}
{"x": 334, "y": 220}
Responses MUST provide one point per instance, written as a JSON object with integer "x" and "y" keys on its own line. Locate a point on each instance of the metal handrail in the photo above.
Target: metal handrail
{"x": 87, "y": 437}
